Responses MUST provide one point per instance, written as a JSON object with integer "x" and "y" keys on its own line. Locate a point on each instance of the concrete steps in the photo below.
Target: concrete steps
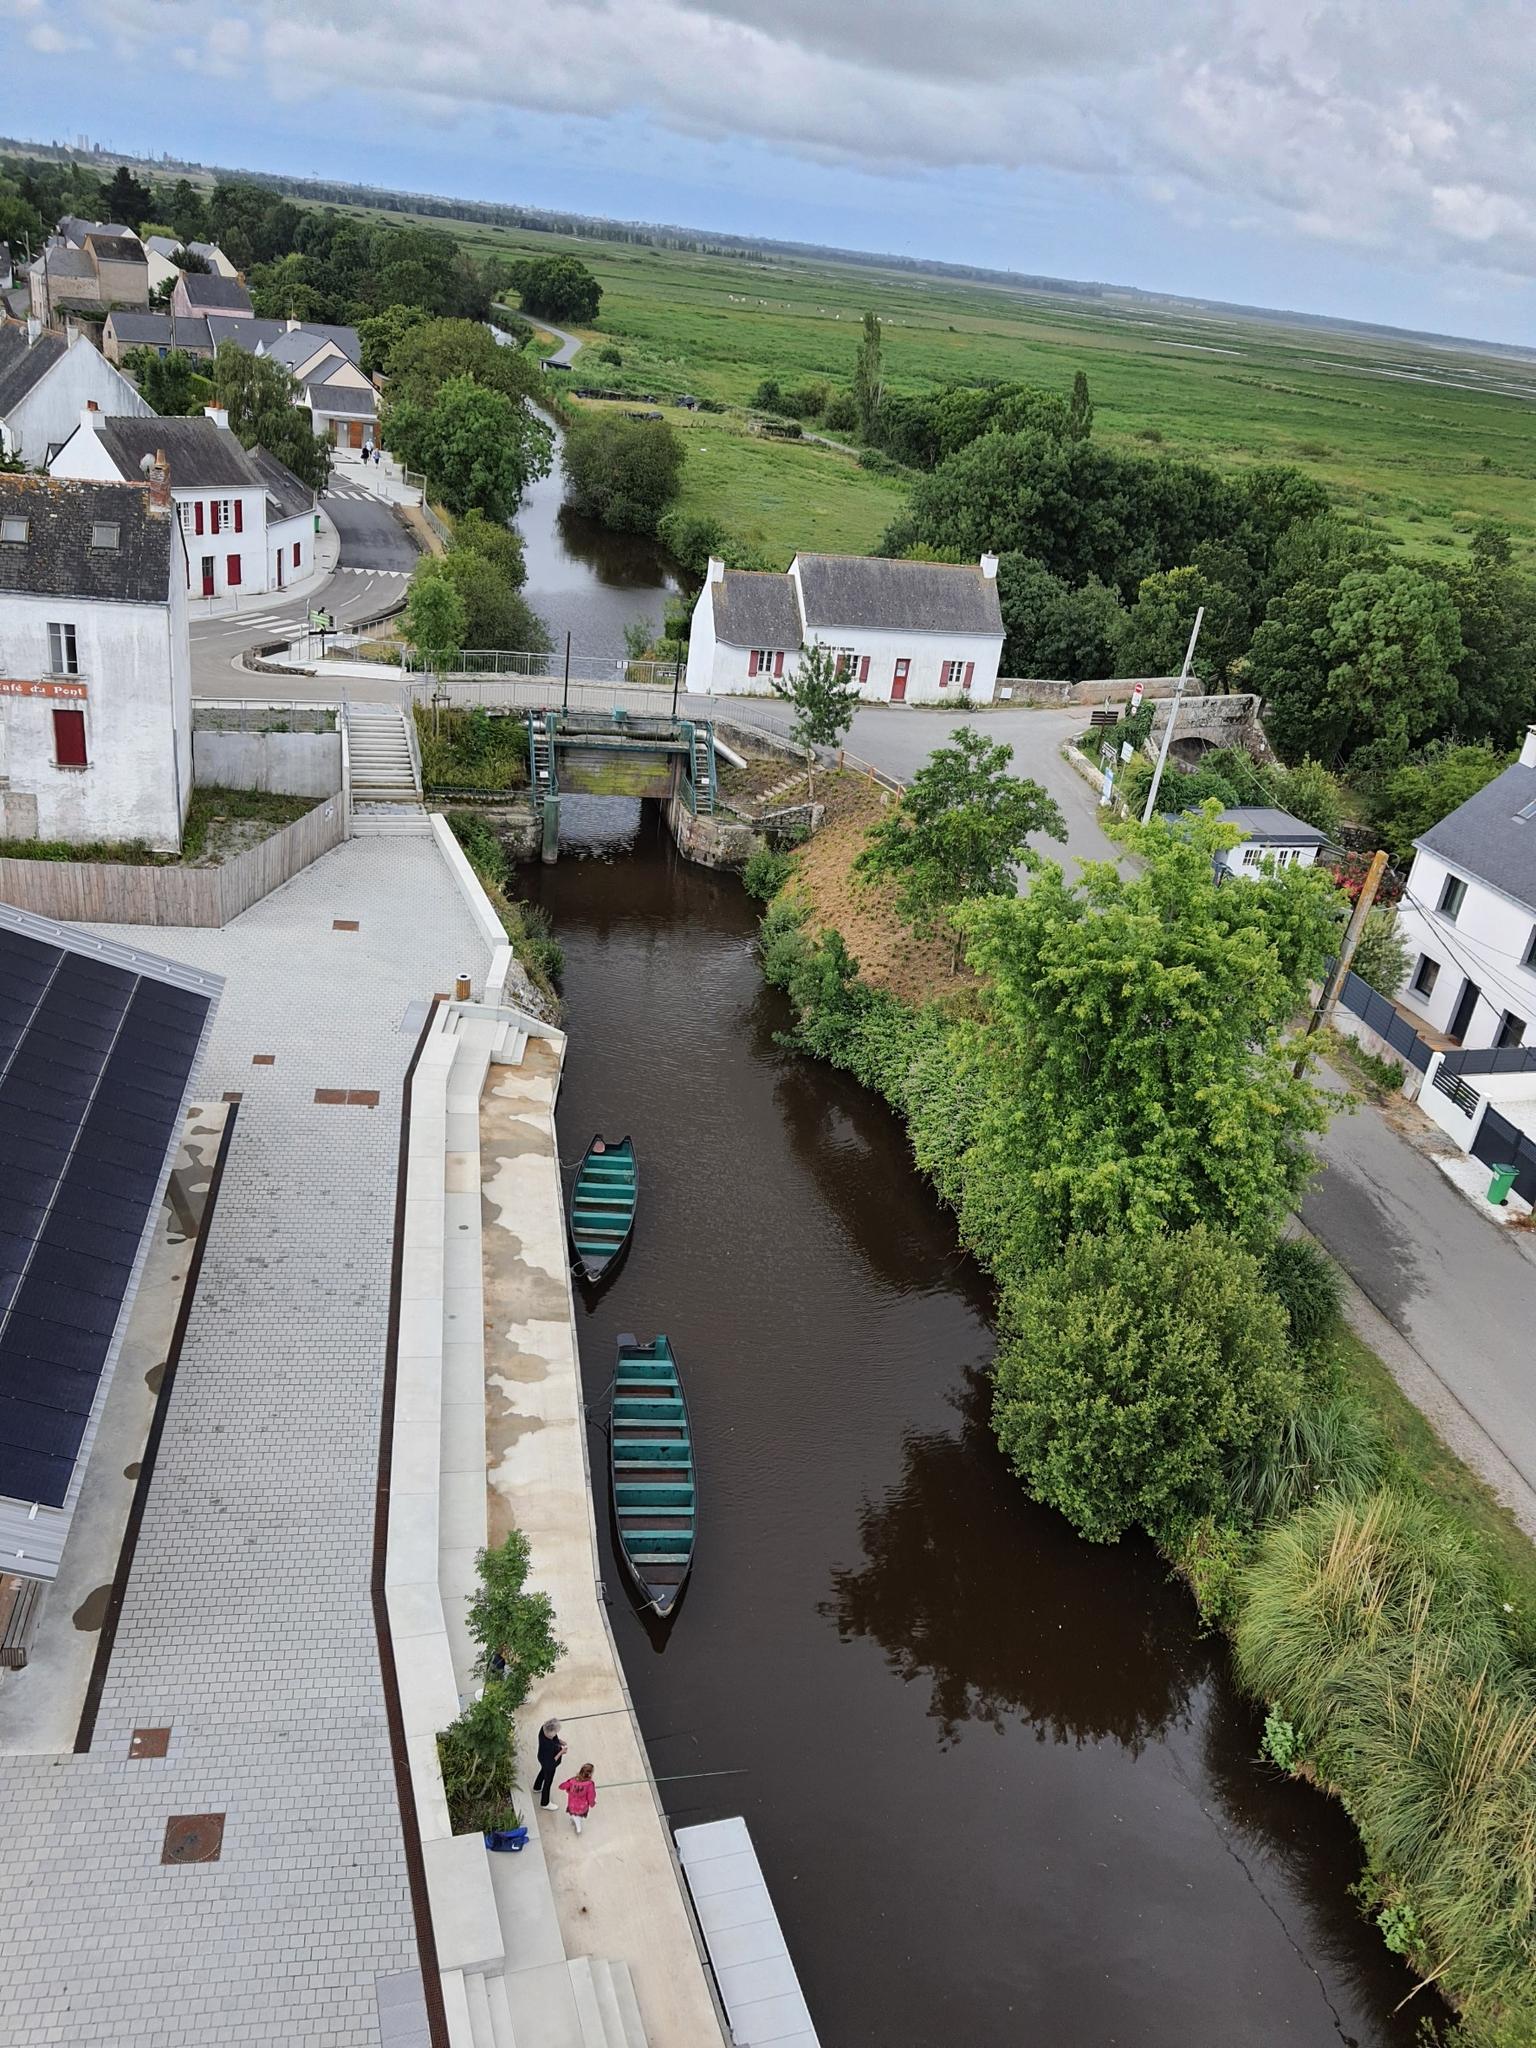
{"x": 583, "y": 2003}
{"x": 379, "y": 756}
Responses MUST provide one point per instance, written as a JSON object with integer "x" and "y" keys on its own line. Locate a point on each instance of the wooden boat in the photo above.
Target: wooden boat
{"x": 650, "y": 1462}
{"x": 603, "y": 1204}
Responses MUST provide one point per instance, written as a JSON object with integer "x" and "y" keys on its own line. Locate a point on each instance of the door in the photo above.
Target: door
{"x": 207, "y": 575}
{"x": 899, "y": 682}
{"x": 355, "y": 434}
{"x": 1462, "y": 1018}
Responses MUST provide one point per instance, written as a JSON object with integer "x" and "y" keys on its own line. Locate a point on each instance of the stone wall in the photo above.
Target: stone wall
{"x": 287, "y": 763}
{"x": 714, "y": 842}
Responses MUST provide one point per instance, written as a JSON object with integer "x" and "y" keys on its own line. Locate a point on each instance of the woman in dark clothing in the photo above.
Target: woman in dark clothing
{"x": 551, "y": 1749}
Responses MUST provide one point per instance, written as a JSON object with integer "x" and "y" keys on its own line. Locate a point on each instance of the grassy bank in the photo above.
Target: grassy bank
{"x": 471, "y": 750}
{"x": 1379, "y": 1601}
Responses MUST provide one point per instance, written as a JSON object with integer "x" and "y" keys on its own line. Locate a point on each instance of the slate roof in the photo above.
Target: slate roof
{"x": 57, "y": 559}
{"x": 117, "y": 245}
{"x": 756, "y": 608}
{"x": 346, "y": 399}
{"x": 207, "y": 294}
{"x": 74, "y": 229}
{"x": 22, "y": 366}
{"x": 345, "y": 338}
{"x": 1487, "y": 837}
{"x": 1277, "y": 828}
{"x": 201, "y": 455}
{"x": 864, "y": 591}
{"x": 248, "y": 334}
{"x": 295, "y": 347}
{"x": 290, "y": 498}
{"x": 163, "y": 245}
{"x": 159, "y": 330}
{"x": 64, "y": 263}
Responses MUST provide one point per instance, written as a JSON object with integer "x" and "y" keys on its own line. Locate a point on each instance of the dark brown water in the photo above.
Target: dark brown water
{"x": 1001, "y": 1785}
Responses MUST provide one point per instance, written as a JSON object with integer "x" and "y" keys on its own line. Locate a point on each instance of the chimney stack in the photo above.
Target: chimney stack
{"x": 71, "y": 332}
{"x": 34, "y": 328}
{"x": 1528, "y": 748}
{"x": 219, "y": 415}
{"x": 160, "y": 486}
{"x": 989, "y": 566}
{"x": 90, "y": 416}
{"x": 716, "y": 570}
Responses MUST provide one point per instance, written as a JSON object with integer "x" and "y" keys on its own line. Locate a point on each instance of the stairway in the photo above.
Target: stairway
{"x": 703, "y": 771}
{"x": 583, "y": 2003}
{"x": 541, "y": 756}
{"x": 386, "y": 794}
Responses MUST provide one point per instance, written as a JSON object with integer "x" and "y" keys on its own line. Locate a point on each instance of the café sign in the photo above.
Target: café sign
{"x": 50, "y": 686}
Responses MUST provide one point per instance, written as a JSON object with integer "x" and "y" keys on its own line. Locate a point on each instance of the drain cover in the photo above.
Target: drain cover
{"x": 193, "y": 1838}
{"x": 149, "y": 1742}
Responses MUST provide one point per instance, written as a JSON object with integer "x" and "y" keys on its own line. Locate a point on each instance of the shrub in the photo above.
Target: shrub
{"x": 766, "y": 872}
{"x": 841, "y": 415}
{"x": 1321, "y": 1448}
{"x": 1132, "y": 1374}
{"x": 478, "y": 1761}
{"x": 621, "y": 471}
{"x": 513, "y": 1627}
{"x": 609, "y": 354}
{"x": 1281, "y": 1744}
{"x": 1309, "y": 1289}
{"x": 1381, "y": 957}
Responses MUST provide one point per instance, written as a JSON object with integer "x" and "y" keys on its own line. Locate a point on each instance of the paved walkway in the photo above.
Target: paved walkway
{"x": 248, "y": 1627}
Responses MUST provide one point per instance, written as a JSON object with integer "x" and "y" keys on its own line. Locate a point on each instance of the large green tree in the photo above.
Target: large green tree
{"x": 960, "y": 832}
{"x": 1133, "y": 1374}
{"x": 558, "y": 287}
{"x": 495, "y": 613}
{"x": 259, "y": 394}
{"x": 425, "y": 354}
{"x": 171, "y": 385}
{"x": 868, "y": 379}
{"x": 1052, "y": 629}
{"x": 1157, "y": 627}
{"x": 436, "y": 619}
{"x": 621, "y": 471}
{"x": 1132, "y": 1067}
{"x": 1405, "y": 801}
{"x": 476, "y": 447}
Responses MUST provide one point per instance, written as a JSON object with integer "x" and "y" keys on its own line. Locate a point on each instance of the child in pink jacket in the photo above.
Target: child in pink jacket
{"x": 580, "y": 1796}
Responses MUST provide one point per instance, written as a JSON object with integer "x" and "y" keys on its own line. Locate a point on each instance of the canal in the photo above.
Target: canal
{"x": 1001, "y": 1785}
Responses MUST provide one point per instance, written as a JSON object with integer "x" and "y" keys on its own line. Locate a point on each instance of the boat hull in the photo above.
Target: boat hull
{"x": 653, "y": 1480}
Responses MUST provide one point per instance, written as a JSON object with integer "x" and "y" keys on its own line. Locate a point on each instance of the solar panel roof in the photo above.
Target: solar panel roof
{"x": 96, "y": 1059}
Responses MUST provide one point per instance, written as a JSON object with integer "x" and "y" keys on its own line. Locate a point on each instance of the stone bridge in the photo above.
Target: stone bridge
{"x": 1206, "y": 722}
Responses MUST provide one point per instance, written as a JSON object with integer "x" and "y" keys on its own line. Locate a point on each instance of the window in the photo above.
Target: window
{"x": 954, "y": 672}
{"x": 14, "y": 531}
{"x": 104, "y": 535}
{"x": 1252, "y": 855}
{"x": 184, "y": 514}
{"x": 1425, "y": 975}
{"x": 69, "y": 739}
{"x": 62, "y": 658}
{"x": 1511, "y": 1031}
{"x": 232, "y": 570}
{"x": 295, "y": 554}
{"x": 1530, "y": 950}
{"x": 1452, "y": 896}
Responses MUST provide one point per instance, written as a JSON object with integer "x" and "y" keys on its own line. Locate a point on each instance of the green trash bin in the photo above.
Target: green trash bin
{"x": 1499, "y": 1187}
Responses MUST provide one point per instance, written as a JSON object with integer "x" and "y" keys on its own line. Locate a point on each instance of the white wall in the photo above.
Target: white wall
{"x": 727, "y": 667}
{"x": 1486, "y": 945}
{"x": 51, "y": 411}
{"x": 137, "y": 719}
{"x": 701, "y": 645}
{"x": 1282, "y": 856}
{"x": 282, "y": 534}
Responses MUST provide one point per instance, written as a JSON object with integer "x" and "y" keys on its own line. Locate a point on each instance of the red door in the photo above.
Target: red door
{"x": 207, "y": 575}
{"x": 355, "y": 434}
{"x": 899, "y": 682}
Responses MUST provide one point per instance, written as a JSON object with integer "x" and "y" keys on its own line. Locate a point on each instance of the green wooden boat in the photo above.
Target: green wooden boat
{"x": 603, "y": 1204}
{"x": 650, "y": 1462}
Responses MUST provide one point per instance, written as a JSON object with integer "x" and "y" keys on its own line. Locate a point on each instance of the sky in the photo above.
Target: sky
{"x": 1371, "y": 159}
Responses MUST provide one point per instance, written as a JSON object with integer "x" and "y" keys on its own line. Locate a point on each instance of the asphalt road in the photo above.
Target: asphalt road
{"x": 371, "y": 536}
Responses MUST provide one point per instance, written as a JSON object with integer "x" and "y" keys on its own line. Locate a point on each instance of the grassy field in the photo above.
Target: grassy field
{"x": 1426, "y": 440}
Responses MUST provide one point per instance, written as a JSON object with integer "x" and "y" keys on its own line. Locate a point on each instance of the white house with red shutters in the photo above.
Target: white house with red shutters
{"x": 247, "y": 522}
{"x": 912, "y": 632}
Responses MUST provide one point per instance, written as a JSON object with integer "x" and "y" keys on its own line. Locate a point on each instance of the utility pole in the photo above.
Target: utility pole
{"x": 1157, "y": 772}
{"x": 565, "y": 701}
{"x": 1335, "y": 979}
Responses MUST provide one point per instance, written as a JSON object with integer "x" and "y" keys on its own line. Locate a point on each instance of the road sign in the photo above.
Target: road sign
{"x": 1136, "y": 699}
{"x": 1126, "y": 750}
{"x": 1107, "y": 793}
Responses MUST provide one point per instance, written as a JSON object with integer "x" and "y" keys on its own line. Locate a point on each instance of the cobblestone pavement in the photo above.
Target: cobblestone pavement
{"x": 248, "y": 1628}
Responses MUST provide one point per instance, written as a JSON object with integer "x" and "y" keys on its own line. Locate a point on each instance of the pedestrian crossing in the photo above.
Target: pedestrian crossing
{"x": 352, "y": 492}
{"x": 352, "y": 569}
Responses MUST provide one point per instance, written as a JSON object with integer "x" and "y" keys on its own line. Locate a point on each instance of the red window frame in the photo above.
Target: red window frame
{"x": 69, "y": 739}
{"x": 197, "y": 516}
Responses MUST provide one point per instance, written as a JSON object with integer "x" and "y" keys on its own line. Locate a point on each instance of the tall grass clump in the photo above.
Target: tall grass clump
{"x": 1330, "y": 1447}
{"x": 1377, "y": 1633}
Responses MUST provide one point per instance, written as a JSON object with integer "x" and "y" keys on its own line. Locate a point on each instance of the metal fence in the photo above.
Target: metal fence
{"x": 511, "y": 693}
{"x": 1499, "y": 1143}
{"x": 1492, "y": 1059}
{"x": 1374, "y": 1011}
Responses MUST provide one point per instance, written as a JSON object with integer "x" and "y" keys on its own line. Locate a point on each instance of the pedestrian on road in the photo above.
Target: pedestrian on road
{"x": 551, "y": 1749}
{"x": 580, "y": 1796}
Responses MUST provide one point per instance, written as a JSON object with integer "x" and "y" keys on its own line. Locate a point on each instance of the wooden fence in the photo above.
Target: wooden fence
{"x": 102, "y": 892}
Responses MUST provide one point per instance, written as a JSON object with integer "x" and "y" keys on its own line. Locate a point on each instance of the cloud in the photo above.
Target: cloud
{"x": 51, "y": 41}
{"x": 1396, "y": 130}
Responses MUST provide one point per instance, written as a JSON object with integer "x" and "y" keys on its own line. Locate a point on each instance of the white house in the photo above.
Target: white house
{"x": 1469, "y": 915}
{"x": 162, "y": 251}
{"x": 1269, "y": 835}
{"x": 912, "y": 632}
{"x": 46, "y": 379}
{"x": 95, "y": 664}
{"x": 248, "y": 522}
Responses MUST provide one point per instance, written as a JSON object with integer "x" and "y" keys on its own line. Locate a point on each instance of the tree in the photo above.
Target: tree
{"x": 824, "y": 697}
{"x": 1363, "y": 668}
{"x": 559, "y": 288}
{"x": 188, "y": 214}
{"x": 621, "y": 471}
{"x": 513, "y": 1627}
{"x": 258, "y": 394}
{"x": 425, "y": 354}
{"x": 500, "y": 545}
{"x": 1132, "y": 1069}
{"x": 1080, "y": 413}
{"x": 1496, "y": 671}
{"x": 171, "y": 384}
{"x": 960, "y": 832}
{"x": 435, "y": 616}
{"x": 868, "y": 382}
{"x": 1381, "y": 956}
{"x": 1491, "y": 545}
{"x": 1053, "y": 630}
{"x": 495, "y": 615}
{"x": 476, "y": 447}
{"x": 1135, "y": 1373}
{"x": 125, "y": 199}
{"x": 1407, "y": 800}
{"x": 381, "y": 332}
{"x": 1156, "y": 632}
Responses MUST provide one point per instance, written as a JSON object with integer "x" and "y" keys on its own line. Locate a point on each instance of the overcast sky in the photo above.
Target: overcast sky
{"x": 1372, "y": 158}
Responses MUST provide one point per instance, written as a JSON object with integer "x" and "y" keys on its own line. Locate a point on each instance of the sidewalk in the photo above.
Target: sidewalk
{"x": 382, "y": 480}
{"x": 324, "y": 554}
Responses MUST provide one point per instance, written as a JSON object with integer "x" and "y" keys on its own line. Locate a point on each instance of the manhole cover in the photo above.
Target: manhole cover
{"x": 193, "y": 1838}
{"x": 149, "y": 1742}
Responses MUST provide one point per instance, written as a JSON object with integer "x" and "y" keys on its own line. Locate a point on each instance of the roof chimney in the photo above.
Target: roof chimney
{"x": 71, "y": 332}
{"x": 989, "y": 565}
{"x": 219, "y": 415}
{"x": 34, "y": 328}
{"x": 716, "y": 571}
{"x": 90, "y": 416}
{"x": 160, "y": 486}
{"x": 1528, "y": 748}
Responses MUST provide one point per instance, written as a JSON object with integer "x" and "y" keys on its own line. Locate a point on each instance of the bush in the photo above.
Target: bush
{"x": 1135, "y": 1372}
{"x": 1307, "y": 1285}
{"x": 513, "y": 1627}
{"x": 472, "y": 750}
{"x": 478, "y": 1760}
{"x": 621, "y": 471}
{"x": 766, "y": 872}
{"x": 1322, "y": 1448}
{"x": 527, "y": 925}
{"x": 609, "y": 354}
{"x": 842, "y": 414}
{"x": 1381, "y": 957}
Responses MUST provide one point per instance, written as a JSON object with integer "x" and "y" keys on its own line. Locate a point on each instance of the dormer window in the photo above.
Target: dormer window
{"x": 14, "y": 532}
{"x": 105, "y": 535}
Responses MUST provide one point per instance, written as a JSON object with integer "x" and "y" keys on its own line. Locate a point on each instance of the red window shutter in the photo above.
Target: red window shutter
{"x": 943, "y": 675}
{"x": 232, "y": 569}
{"x": 752, "y": 663}
{"x": 197, "y": 516}
{"x": 239, "y": 516}
{"x": 841, "y": 665}
{"x": 778, "y": 664}
{"x": 970, "y": 670}
{"x": 213, "y": 515}
{"x": 864, "y": 670}
{"x": 295, "y": 554}
{"x": 69, "y": 739}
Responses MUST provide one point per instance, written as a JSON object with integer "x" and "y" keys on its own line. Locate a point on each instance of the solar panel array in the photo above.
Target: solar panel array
{"x": 95, "y": 1061}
